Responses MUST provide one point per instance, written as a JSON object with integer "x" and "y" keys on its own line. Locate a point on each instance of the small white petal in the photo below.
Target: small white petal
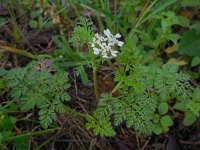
{"x": 105, "y": 56}
{"x": 97, "y": 35}
{"x": 104, "y": 39}
{"x": 107, "y": 32}
{"x": 92, "y": 45}
{"x": 113, "y": 53}
{"x": 117, "y": 35}
{"x": 120, "y": 43}
{"x": 96, "y": 51}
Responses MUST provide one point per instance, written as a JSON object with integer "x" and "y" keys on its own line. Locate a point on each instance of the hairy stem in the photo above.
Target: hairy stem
{"x": 94, "y": 71}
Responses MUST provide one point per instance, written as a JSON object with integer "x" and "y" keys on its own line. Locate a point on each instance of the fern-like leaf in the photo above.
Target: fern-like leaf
{"x": 41, "y": 89}
{"x": 83, "y": 31}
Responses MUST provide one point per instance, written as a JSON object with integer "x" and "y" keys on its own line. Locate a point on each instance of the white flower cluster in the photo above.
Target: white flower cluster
{"x": 103, "y": 45}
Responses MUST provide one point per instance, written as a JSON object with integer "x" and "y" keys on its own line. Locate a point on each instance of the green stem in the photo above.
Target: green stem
{"x": 142, "y": 18}
{"x": 68, "y": 109}
{"x": 94, "y": 71}
{"x": 95, "y": 83}
{"x": 91, "y": 144}
{"x": 45, "y": 142}
{"x": 117, "y": 87}
{"x": 30, "y": 134}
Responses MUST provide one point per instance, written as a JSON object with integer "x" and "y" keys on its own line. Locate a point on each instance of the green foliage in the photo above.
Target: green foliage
{"x": 100, "y": 125}
{"x": 161, "y": 123}
{"x": 40, "y": 88}
{"x": 195, "y": 61}
{"x": 190, "y": 43}
{"x": 84, "y": 77}
{"x": 83, "y": 32}
{"x": 7, "y": 123}
{"x": 136, "y": 111}
{"x": 190, "y": 3}
{"x": 166, "y": 121}
{"x": 146, "y": 86}
{"x": 191, "y": 108}
{"x": 163, "y": 108}
{"x": 21, "y": 143}
{"x": 144, "y": 89}
{"x": 189, "y": 118}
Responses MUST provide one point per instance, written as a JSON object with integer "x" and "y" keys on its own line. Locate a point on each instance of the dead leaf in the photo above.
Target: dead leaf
{"x": 177, "y": 62}
{"x": 172, "y": 48}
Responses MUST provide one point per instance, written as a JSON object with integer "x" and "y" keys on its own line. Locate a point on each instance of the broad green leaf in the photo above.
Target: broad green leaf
{"x": 195, "y": 26}
{"x": 163, "y": 108}
{"x": 194, "y": 107}
{"x": 180, "y": 106}
{"x": 84, "y": 76}
{"x": 190, "y": 43}
{"x": 166, "y": 121}
{"x": 165, "y": 23}
{"x": 189, "y": 118}
{"x": 174, "y": 38}
{"x": 183, "y": 21}
{"x": 157, "y": 128}
{"x": 156, "y": 118}
{"x": 195, "y": 61}
{"x": 8, "y": 124}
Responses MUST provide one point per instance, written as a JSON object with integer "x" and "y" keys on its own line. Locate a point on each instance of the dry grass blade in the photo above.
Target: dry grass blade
{"x": 17, "y": 51}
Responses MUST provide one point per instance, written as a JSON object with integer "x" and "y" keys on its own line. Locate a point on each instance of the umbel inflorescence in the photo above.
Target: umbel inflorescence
{"x": 103, "y": 45}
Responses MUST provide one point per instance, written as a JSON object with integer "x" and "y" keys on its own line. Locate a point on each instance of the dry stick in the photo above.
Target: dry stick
{"x": 146, "y": 143}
